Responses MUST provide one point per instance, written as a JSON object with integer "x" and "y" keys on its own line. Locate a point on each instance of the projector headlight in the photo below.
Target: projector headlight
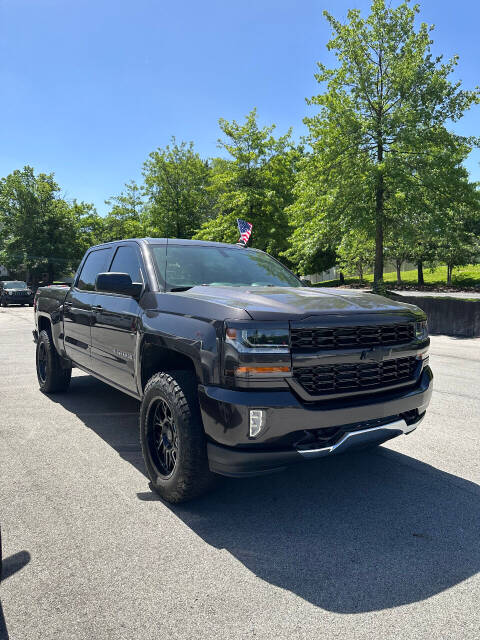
{"x": 259, "y": 351}
{"x": 259, "y": 340}
{"x": 421, "y": 330}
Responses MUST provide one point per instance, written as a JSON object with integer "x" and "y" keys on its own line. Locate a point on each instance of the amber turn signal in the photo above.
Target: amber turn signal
{"x": 261, "y": 369}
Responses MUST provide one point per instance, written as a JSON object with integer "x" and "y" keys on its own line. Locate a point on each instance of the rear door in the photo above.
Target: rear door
{"x": 78, "y": 307}
{"x": 115, "y": 323}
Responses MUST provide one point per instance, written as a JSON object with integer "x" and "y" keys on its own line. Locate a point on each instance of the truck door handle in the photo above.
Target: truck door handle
{"x": 97, "y": 307}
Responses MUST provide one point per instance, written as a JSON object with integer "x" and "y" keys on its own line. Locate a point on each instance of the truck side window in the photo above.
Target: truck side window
{"x": 126, "y": 261}
{"x": 96, "y": 262}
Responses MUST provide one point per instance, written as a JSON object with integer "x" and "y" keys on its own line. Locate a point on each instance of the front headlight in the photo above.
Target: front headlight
{"x": 259, "y": 340}
{"x": 10, "y": 293}
{"x": 256, "y": 352}
{"x": 421, "y": 330}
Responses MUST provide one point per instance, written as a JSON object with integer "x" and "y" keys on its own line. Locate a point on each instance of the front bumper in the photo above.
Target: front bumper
{"x": 19, "y": 299}
{"x": 231, "y": 452}
{"x": 235, "y": 463}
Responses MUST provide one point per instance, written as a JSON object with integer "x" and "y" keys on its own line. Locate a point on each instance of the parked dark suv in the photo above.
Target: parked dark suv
{"x": 239, "y": 368}
{"x": 15, "y": 292}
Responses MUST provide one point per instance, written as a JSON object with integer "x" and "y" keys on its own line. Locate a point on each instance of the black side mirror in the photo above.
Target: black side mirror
{"x": 118, "y": 283}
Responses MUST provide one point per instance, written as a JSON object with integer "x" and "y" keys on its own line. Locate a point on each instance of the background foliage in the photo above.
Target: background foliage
{"x": 379, "y": 175}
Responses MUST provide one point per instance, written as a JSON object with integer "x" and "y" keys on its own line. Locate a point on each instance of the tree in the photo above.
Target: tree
{"x": 356, "y": 252}
{"x": 254, "y": 183}
{"x": 89, "y": 227}
{"x": 458, "y": 242}
{"x": 126, "y": 218}
{"x": 176, "y": 186}
{"x": 381, "y": 118}
{"x": 37, "y": 227}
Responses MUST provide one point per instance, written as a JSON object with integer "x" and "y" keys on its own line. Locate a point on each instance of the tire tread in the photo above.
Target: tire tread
{"x": 195, "y": 477}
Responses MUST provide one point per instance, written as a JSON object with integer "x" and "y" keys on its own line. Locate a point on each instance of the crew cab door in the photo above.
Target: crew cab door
{"x": 115, "y": 323}
{"x": 77, "y": 318}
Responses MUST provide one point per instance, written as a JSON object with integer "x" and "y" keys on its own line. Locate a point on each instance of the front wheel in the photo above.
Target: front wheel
{"x": 172, "y": 438}
{"x": 4, "y": 303}
{"x": 52, "y": 376}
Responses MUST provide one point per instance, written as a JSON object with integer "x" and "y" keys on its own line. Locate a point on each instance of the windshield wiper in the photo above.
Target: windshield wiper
{"x": 185, "y": 288}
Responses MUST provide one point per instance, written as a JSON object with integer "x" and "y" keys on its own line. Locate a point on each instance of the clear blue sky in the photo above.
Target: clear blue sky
{"x": 90, "y": 87}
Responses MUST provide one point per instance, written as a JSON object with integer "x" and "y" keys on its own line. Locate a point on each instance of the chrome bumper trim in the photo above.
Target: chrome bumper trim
{"x": 354, "y": 439}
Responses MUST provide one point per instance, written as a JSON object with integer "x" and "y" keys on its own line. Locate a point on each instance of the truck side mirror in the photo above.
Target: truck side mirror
{"x": 120, "y": 283}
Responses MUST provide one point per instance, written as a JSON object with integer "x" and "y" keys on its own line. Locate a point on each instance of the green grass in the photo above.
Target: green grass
{"x": 468, "y": 276}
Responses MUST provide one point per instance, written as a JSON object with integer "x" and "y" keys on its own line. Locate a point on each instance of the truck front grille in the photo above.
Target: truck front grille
{"x": 320, "y": 338}
{"x": 350, "y": 377}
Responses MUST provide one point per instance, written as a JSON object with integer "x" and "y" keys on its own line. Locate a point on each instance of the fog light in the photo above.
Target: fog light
{"x": 257, "y": 421}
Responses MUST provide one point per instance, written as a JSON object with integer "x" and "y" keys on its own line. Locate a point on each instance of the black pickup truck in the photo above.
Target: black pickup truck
{"x": 240, "y": 369}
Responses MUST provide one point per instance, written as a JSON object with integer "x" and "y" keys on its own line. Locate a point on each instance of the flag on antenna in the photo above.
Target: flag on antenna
{"x": 245, "y": 230}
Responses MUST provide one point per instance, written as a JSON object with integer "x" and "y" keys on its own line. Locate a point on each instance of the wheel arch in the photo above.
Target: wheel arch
{"x": 157, "y": 355}
{"x": 44, "y": 324}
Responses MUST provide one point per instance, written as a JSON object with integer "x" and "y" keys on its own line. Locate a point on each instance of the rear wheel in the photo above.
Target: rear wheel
{"x": 172, "y": 438}
{"x": 51, "y": 373}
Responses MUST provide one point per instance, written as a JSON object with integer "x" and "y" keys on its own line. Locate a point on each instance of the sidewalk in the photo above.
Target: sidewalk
{"x": 440, "y": 294}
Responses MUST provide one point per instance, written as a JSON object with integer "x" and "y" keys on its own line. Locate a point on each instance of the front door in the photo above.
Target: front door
{"x": 78, "y": 307}
{"x": 115, "y": 324}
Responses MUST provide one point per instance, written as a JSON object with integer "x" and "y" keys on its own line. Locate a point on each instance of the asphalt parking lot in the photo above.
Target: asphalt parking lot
{"x": 383, "y": 544}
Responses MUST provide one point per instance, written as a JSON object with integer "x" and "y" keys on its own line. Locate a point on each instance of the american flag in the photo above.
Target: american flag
{"x": 245, "y": 229}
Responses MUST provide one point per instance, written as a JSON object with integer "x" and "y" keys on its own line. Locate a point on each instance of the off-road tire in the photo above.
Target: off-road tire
{"x": 54, "y": 375}
{"x": 191, "y": 476}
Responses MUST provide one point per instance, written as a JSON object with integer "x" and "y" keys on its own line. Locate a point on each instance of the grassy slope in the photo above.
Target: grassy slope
{"x": 468, "y": 276}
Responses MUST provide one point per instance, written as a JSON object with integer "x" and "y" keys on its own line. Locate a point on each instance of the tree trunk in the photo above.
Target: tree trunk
{"x": 360, "y": 271}
{"x": 420, "y": 273}
{"x": 449, "y": 273}
{"x": 378, "y": 285}
{"x": 399, "y": 271}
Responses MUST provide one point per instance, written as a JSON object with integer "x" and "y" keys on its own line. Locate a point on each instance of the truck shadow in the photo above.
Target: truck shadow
{"x": 356, "y": 533}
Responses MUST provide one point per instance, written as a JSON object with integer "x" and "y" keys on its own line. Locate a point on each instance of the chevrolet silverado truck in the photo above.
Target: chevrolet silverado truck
{"x": 239, "y": 368}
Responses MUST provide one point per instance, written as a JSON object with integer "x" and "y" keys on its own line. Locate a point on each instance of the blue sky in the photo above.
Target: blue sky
{"x": 90, "y": 87}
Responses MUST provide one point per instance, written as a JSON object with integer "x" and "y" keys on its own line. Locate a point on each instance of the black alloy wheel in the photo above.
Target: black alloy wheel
{"x": 42, "y": 362}
{"x": 53, "y": 373}
{"x": 163, "y": 438}
{"x": 172, "y": 437}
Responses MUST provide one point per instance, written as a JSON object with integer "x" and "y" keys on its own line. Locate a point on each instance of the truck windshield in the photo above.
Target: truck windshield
{"x": 188, "y": 266}
{"x": 14, "y": 284}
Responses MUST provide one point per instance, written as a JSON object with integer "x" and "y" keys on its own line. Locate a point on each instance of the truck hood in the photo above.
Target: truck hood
{"x": 271, "y": 303}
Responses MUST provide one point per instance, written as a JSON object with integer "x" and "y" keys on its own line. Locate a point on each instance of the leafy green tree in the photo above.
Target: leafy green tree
{"x": 89, "y": 227}
{"x": 382, "y": 117}
{"x": 254, "y": 182}
{"x": 126, "y": 219}
{"x": 177, "y": 190}
{"x": 356, "y": 253}
{"x": 458, "y": 241}
{"x": 38, "y": 230}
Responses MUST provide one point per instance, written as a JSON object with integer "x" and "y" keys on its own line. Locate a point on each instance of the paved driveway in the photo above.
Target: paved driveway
{"x": 372, "y": 545}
